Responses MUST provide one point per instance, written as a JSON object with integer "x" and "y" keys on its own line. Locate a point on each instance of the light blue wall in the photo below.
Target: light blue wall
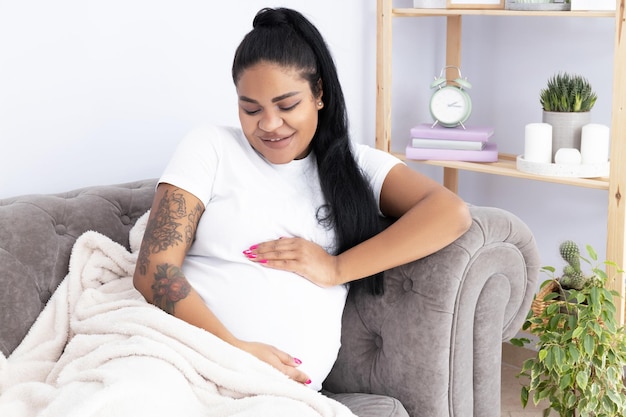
{"x": 98, "y": 92}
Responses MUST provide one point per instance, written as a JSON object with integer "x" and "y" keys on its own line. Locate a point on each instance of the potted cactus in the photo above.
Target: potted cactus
{"x": 567, "y": 101}
{"x": 581, "y": 353}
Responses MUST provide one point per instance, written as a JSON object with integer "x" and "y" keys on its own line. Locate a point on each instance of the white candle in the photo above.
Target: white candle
{"x": 538, "y": 143}
{"x": 568, "y": 156}
{"x": 594, "y": 143}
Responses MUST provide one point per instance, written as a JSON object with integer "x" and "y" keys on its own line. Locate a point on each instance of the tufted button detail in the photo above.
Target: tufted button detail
{"x": 125, "y": 220}
{"x": 407, "y": 285}
{"x": 379, "y": 342}
{"x": 60, "y": 229}
{"x": 44, "y": 296}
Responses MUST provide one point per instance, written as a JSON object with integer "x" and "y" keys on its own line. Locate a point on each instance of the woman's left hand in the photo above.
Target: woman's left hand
{"x": 299, "y": 256}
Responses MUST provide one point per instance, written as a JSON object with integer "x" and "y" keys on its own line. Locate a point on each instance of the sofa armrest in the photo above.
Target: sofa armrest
{"x": 37, "y": 236}
{"x": 434, "y": 339}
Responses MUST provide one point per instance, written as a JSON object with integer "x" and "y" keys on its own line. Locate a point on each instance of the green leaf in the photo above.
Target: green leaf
{"x": 592, "y": 253}
{"x": 595, "y": 389}
{"x": 528, "y": 364}
{"x": 524, "y": 396}
{"x": 617, "y": 398}
{"x": 609, "y": 307}
{"x": 559, "y": 354}
{"x": 519, "y": 342}
{"x": 613, "y": 374}
{"x": 594, "y": 328}
{"x": 572, "y": 321}
{"x": 582, "y": 378}
{"x": 577, "y": 332}
{"x": 608, "y": 405}
{"x": 554, "y": 322}
{"x": 549, "y": 362}
{"x": 570, "y": 400}
{"x": 588, "y": 344}
{"x": 595, "y": 296}
{"x": 601, "y": 274}
{"x": 573, "y": 353}
{"x": 565, "y": 382}
{"x": 543, "y": 393}
{"x": 551, "y": 296}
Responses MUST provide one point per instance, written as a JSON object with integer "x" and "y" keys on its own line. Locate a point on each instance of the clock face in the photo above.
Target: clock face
{"x": 450, "y": 106}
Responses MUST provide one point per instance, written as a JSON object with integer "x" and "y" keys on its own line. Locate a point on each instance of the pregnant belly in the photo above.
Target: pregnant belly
{"x": 281, "y": 309}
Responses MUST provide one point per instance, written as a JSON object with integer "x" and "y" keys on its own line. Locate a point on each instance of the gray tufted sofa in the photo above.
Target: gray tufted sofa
{"x": 433, "y": 340}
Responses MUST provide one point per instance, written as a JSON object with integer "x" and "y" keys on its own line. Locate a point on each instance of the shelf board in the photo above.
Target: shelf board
{"x": 506, "y": 166}
{"x": 412, "y": 12}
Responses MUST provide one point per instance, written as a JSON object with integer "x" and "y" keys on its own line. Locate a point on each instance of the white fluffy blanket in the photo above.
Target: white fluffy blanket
{"x": 98, "y": 349}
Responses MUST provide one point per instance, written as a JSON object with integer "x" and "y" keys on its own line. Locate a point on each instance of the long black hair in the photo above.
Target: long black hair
{"x": 285, "y": 37}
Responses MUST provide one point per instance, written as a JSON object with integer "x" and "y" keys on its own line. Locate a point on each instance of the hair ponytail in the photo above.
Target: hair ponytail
{"x": 285, "y": 37}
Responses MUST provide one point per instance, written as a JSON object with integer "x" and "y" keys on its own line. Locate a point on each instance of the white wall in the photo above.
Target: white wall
{"x": 99, "y": 92}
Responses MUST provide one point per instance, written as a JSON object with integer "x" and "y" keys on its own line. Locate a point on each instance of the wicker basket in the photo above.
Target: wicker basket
{"x": 539, "y": 304}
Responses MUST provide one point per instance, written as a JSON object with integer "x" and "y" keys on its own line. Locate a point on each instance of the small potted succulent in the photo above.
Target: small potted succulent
{"x": 567, "y": 93}
{"x": 581, "y": 353}
{"x": 567, "y": 101}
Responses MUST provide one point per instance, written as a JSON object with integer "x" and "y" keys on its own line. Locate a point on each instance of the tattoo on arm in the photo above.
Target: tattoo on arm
{"x": 169, "y": 287}
{"x": 194, "y": 219}
{"x": 162, "y": 230}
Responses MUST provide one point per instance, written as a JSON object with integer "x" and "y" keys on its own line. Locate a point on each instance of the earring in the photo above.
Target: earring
{"x": 320, "y": 104}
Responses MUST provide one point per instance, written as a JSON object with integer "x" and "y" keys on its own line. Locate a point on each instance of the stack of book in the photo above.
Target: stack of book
{"x": 452, "y": 143}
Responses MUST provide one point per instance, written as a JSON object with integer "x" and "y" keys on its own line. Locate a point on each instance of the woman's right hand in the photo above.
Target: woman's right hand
{"x": 280, "y": 360}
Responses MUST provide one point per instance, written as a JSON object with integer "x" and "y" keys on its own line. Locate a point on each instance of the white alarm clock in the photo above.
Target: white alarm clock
{"x": 450, "y": 104}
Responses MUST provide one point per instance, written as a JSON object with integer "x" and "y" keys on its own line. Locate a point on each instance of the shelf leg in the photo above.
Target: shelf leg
{"x": 383, "y": 75}
{"x": 451, "y": 179}
{"x": 453, "y": 44}
{"x": 616, "y": 240}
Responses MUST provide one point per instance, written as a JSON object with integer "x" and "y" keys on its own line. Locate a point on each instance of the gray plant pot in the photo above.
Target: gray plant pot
{"x": 566, "y": 128}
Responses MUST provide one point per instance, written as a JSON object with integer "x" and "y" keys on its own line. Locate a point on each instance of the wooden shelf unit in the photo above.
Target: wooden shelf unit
{"x": 506, "y": 166}
{"x": 615, "y": 183}
{"x": 410, "y": 12}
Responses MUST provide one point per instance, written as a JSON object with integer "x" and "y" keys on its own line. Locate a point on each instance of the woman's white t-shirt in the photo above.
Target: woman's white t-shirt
{"x": 249, "y": 200}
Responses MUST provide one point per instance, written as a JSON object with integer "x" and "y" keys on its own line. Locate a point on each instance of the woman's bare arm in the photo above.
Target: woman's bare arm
{"x": 159, "y": 278}
{"x": 429, "y": 217}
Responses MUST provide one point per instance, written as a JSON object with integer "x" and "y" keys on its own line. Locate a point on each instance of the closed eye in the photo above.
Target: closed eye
{"x": 282, "y": 108}
{"x": 288, "y": 108}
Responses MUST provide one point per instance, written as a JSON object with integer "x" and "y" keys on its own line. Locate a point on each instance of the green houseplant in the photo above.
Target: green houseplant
{"x": 567, "y": 93}
{"x": 567, "y": 101}
{"x": 581, "y": 353}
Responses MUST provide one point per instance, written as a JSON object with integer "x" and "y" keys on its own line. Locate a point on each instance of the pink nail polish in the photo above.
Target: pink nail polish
{"x": 297, "y": 361}
{"x": 251, "y": 256}
{"x": 253, "y": 247}
{"x": 247, "y": 252}
{"x": 308, "y": 381}
{"x": 263, "y": 261}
